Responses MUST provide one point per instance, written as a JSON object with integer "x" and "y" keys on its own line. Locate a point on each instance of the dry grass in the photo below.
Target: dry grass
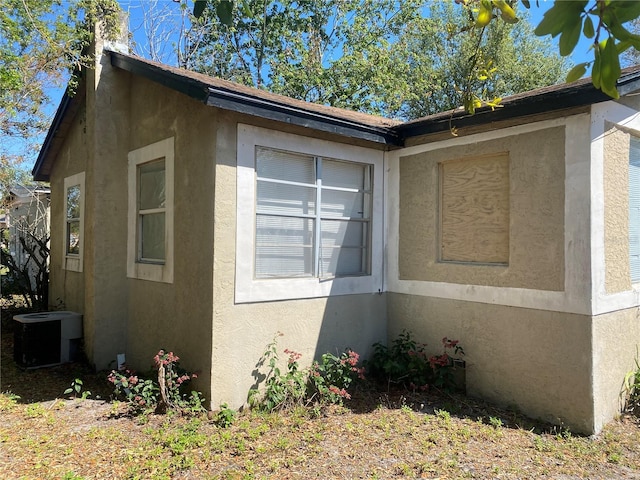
{"x": 44, "y": 436}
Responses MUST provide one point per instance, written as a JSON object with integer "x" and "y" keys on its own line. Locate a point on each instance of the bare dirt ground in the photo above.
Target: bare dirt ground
{"x": 45, "y": 435}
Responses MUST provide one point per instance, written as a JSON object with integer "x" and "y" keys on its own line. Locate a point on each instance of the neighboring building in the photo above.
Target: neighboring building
{"x": 198, "y": 215}
{"x": 27, "y": 215}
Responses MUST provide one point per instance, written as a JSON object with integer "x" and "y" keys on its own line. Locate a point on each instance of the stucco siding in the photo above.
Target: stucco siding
{"x": 536, "y": 214}
{"x": 241, "y": 332}
{"x": 616, "y": 338}
{"x": 616, "y": 210}
{"x": 66, "y": 288}
{"x": 175, "y": 316}
{"x": 536, "y": 361}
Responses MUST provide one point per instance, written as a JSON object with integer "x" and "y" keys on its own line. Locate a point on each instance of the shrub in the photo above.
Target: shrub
{"x": 405, "y": 363}
{"x": 165, "y": 393}
{"x": 325, "y": 382}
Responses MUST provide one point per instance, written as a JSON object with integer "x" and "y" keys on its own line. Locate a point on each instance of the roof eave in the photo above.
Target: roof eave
{"x": 41, "y": 168}
{"x": 252, "y": 105}
{"x": 578, "y": 96}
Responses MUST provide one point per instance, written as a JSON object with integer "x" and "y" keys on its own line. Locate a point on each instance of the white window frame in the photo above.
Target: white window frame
{"x": 155, "y": 272}
{"x": 247, "y": 287}
{"x": 73, "y": 262}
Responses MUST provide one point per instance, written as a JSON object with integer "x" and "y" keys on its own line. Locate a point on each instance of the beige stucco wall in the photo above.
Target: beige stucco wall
{"x": 241, "y": 332}
{"x": 175, "y": 316}
{"x": 66, "y": 288}
{"x": 536, "y": 233}
{"x": 616, "y": 210}
{"x": 616, "y": 338}
{"x": 534, "y": 360}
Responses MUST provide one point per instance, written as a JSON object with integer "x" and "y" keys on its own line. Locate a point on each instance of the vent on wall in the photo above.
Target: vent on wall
{"x": 47, "y": 338}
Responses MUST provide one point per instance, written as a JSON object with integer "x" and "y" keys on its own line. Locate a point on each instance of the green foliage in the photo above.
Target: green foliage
{"x": 403, "y": 363}
{"x": 332, "y": 377}
{"x": 406, "y": 363}
{"x": 41, "y": 43}
{"x": 225, "y": 417}
{"x": 76, "y": 389}
{"x": 164, "y": 392}
{"x": 632, "y": 390}
{"x": 325, "y": 382}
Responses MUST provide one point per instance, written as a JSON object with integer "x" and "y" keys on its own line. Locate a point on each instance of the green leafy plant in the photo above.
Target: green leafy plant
{"x": 76, "y": 389}
{"x": 325, "y": 382}
{"x": 403, "y": 363}
{"x": 445, "y": 365}
{"x": 282, "y": 389}
{"x": 632, "y": 390}
{"x": 225, "y": 417}
{"x": 406, "y": 363}
{"x": 165, "y": 393}
{"x": 332, "y": 376}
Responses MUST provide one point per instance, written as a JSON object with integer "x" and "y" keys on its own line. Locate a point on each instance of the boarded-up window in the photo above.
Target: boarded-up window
{"x": 474, "y": 209}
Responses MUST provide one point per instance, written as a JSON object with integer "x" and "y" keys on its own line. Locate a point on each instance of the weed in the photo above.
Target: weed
{"x": 495, "y": 422}
{"x": 225, "y": 416}
{"x": 8, "y": 401}
{"x": 77, "y": 389}
{"x": 35, "y": 410}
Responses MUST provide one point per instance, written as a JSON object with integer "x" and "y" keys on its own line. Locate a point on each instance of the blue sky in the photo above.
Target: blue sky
{"x": 136, "y": 8}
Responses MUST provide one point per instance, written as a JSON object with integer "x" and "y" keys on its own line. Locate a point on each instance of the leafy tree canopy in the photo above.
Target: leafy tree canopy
{"x": 41, "y": 44}
{"x": 601, "y": 20}
{"x": 377, "y": 56}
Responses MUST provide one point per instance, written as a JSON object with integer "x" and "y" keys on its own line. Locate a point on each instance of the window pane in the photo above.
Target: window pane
{"x": 337, "y": 204}
{"x": 284, "y": 246}
{"x": 286, "y": 199}
{"x": 273, "y": 261}
{"x": 284, "y": 231}
{"x": 344, "y": 174}
{"x": 285, "y": 166}
{"x": 338, "y": 262}
{"x": 73, "y": 202}
{"x": 344, "y": 248}
{"x": 73, "y": 237}
{"x": 152, "y": 184}
{"x": 152, "y": 236}
{"x": 336, "y": 233}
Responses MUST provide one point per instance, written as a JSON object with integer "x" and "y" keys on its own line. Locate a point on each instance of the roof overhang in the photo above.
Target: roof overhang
{"x": 57, "y": 131}
{"x": 241, "y": 102}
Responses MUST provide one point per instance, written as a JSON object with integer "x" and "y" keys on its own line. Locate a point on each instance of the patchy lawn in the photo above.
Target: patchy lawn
{"x": 45, "y": 436}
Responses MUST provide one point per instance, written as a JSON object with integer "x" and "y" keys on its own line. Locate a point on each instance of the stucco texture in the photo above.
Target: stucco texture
{"x": 536, "y": 214}
{"x": 614, "y": 355}
{"x": 551, "y": 381}
{"x": 616, "y": 210}
{"x": 241, "y": 332}
{"x": 66, "y": 288}
{"x": 176, "y": 316}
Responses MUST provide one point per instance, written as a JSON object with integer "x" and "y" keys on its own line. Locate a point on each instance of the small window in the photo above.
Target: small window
{"x": 150, "y": 242}
{"x": 73, "y": 225}
{"x": 73, "y": 220}
{"x": 151, "y": 212}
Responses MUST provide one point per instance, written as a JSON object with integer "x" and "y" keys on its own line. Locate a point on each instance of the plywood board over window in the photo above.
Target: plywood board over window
{"x": 474, "y": 209}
